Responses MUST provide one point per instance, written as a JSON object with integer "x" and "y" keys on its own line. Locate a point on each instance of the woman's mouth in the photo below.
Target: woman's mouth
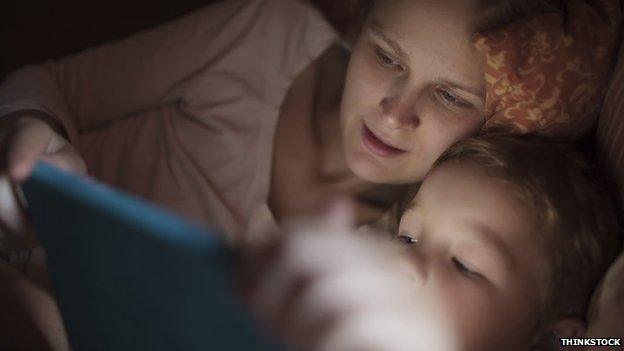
{"x": 377, "y": 146}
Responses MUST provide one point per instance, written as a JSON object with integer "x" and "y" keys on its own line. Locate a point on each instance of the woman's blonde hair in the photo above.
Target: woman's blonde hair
{"x": 495, "y": 13}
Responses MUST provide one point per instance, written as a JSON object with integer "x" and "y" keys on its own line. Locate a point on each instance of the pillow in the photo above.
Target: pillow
{"x": 547, "y": 74}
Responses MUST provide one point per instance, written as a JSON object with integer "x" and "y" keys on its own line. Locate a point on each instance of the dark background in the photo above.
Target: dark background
{"x": 32, "y": 31}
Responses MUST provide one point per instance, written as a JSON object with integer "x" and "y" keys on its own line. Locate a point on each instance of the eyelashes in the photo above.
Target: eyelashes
{"x": 385, "y": 60}
{"x": 406, "y": 239}
{"x": 443, "y": 95}
{"x": 461, "y": 267}
{"x": 465, "y": 270}
{"x": 448, "y": 97}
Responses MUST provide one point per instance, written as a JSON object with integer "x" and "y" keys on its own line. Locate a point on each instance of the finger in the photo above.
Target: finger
{"x": 340, "y": 214}
{"x": 348, "y": 291}
{"x": 308, "y": 253}
{"x": 285, "y": 268}
{"x": 10, "y": 211}
{"x": 24, "y": 147}
{"x": 391, "y": 330}
{"x": 66, "y": 159}
{"x": 370, "y": 330}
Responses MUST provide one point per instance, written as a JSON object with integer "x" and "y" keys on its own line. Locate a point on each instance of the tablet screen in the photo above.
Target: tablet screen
{"x": 131, "y": 276}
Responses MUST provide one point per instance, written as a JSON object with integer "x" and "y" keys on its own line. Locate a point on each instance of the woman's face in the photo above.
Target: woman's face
{"x": 414, "y": 86}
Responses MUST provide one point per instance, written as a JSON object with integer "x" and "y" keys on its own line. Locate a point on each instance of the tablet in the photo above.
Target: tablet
{"x": 131, "y": 276}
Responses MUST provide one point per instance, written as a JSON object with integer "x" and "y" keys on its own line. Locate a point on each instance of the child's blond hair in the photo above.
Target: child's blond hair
{"x": 576, "y": 214}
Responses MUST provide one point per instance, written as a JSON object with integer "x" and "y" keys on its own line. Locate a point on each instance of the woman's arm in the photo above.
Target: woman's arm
{"x": 117, "y": 79}
{"x": 606, "y": 312}
{"x": 30, "y": 319}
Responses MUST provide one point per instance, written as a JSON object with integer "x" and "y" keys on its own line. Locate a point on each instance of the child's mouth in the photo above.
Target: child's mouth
{"x": 378, "y": 147}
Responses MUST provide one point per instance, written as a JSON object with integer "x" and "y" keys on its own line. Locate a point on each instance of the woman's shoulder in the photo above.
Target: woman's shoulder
{"x": 285, "y": 10}
{"x": 281, "y": 13}
{"x": 273, "y": 24}
{"x": 296, "y": 14}
{"x": 262, "y": 45}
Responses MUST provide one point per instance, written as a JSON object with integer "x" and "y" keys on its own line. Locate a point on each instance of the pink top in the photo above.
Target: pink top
{"x": 185, "y": 114}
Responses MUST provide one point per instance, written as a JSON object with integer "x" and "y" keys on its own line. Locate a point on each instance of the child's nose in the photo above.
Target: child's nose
{"x": 413, "y": 267}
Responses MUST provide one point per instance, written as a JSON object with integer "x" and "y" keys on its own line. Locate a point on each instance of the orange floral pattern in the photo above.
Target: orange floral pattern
{"x": 547, "y": 74}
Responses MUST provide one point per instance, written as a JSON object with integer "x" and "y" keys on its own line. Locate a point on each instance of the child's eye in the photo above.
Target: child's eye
{"x": 406, "y": 239}
{"x": 465, "y": 270}
{"x": 387, "y": 61}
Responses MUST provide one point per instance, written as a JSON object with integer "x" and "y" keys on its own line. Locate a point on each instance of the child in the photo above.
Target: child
{"x": 503, "y": 243}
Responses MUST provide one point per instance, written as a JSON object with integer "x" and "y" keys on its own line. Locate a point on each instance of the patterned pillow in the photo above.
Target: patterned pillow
{"x": 547, "y": 74}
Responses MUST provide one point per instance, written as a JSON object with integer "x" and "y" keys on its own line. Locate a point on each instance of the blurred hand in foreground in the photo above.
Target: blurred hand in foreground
{"x": 328, "y": 287}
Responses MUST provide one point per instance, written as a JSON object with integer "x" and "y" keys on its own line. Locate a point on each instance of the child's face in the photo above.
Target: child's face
{"x": 414, "y": 86}
{"x": 478, "y": 255}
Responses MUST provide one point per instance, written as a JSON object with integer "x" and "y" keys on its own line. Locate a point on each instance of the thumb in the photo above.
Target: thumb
{"x": 23, "y": 148}
{"x": 66, "y": 159}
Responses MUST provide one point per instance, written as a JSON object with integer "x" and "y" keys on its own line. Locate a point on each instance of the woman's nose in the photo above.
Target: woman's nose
{"x": 399, "y": 112}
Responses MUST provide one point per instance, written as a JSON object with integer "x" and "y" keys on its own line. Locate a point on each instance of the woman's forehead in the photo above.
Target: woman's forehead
{"x": 425, "y": 41}
{"x": 442, "y": 13}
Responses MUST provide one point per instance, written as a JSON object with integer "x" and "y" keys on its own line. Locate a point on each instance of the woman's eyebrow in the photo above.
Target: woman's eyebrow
{"x": 376, "y": 29}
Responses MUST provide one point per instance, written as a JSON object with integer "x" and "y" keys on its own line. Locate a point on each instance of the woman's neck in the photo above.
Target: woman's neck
{"x": 332, "y": 166}
{"x": 333, "y": 169}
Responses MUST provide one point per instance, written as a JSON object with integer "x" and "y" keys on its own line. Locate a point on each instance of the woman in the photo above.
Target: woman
{"x": 252, "y": 111}
{"x": 182, "y": 116}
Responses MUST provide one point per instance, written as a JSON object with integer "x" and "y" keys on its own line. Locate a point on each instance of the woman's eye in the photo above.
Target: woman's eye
{"x": 387, "y": 61}
{"x": 406, "y": 239}
{"x": 452, "y": 99}
{"x": 465, "y": 270}
{"x": 448, "y": 96}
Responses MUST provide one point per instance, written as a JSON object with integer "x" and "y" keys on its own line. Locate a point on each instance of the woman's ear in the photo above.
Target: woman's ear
{"x": 566, "y": 328}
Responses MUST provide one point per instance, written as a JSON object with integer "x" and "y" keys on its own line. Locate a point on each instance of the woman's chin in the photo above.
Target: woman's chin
{"x": 374, "y": 172}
